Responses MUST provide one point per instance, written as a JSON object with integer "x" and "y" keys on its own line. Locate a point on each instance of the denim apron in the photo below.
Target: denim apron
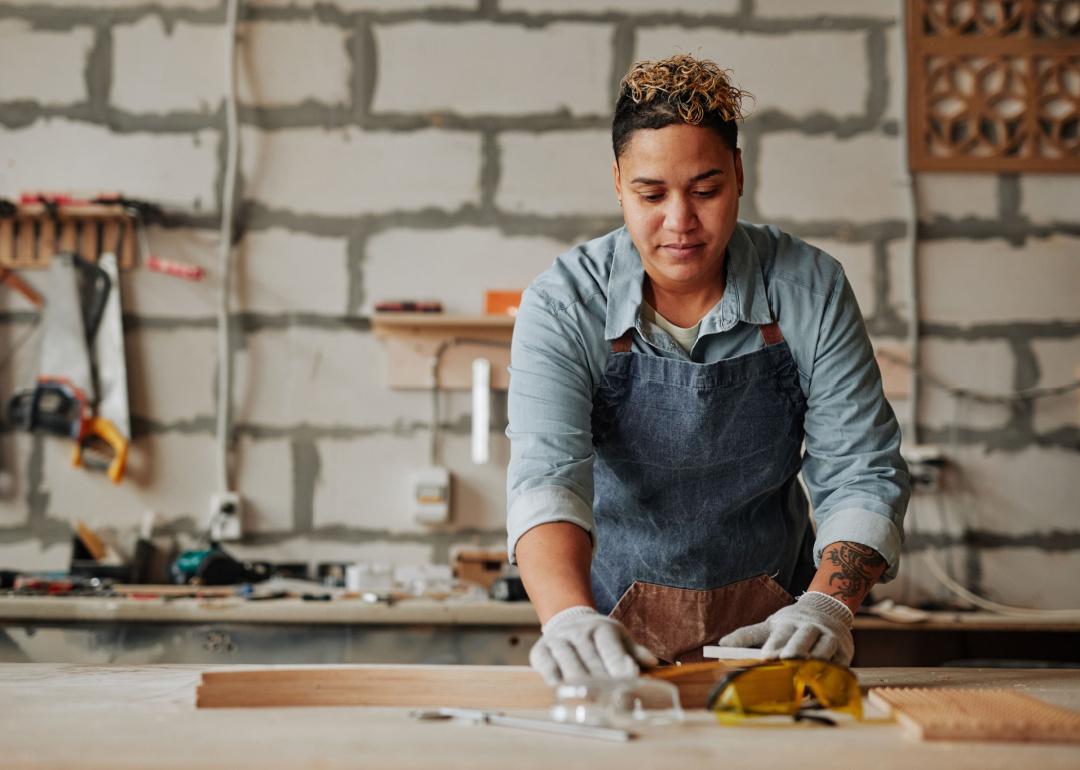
{"x": 701, "y": 525}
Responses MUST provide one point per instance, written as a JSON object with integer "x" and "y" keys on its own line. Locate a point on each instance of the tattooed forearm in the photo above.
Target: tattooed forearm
{"x": 848, "y": 571}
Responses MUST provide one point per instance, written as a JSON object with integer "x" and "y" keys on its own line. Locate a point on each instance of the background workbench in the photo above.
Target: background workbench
{"x": 144, "y": 717}
{"x": 52, "y": 629}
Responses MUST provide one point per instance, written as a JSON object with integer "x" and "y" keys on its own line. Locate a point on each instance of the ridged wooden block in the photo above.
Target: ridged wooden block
{"x": 969, "y": 714}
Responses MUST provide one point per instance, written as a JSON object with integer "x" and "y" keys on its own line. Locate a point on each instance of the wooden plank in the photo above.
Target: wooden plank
{"x": 411, "y": 686}
{"x": 69, "y": 235}
{"x": 418, "y": 686}
{"x": 7, "y": 241}
{"x": 26, "y": 243}
{"x": 88, "y": 240}
{"x": 126, "y": 258}
{"x": 110, "y": 236}
{"x": 970, "y": 714}
{"x": 46, "y": 241}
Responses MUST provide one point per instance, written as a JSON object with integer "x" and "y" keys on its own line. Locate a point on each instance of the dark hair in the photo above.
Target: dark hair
{"x": 681, "y": 89}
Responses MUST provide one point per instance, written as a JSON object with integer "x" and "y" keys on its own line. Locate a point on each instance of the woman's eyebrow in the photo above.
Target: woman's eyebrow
{"x": 698, "y": 178}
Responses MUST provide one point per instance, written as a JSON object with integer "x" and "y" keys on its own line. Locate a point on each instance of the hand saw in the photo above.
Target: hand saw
{"x": 64, "y": 397}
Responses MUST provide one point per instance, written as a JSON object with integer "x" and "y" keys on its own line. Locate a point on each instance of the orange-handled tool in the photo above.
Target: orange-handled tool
{"x": 100, "y": 428}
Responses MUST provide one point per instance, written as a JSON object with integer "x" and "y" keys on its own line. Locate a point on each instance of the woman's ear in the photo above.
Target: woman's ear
{"x": 738, "y": 171}
{"x": 617, "y": 179}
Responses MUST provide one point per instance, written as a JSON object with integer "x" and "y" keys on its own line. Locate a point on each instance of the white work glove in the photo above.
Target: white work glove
{"x": 579, "y": 643}
{"x": 816, "y": 626}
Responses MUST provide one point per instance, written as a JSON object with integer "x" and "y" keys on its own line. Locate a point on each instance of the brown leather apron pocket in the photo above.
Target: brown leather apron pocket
{"x": 675, "y": 623}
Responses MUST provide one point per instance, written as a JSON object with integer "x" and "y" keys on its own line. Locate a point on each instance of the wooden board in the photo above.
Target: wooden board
{"x": 490, "y": 687}
{"x": 964, "y": 714}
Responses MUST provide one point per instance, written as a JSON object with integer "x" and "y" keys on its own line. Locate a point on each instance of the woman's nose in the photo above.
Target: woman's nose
{"x": 679, "y": 216}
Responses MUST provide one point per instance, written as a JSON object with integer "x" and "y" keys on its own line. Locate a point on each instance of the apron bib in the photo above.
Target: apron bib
{"x": 701, "y": 525}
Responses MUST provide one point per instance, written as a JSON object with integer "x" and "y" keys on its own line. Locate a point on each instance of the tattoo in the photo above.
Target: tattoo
{"x": 857, "y": 569}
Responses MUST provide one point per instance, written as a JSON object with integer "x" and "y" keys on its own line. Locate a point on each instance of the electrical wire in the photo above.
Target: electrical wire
{"x": 939, "y": 573}
{"x": 224, "y": 395}
{"x": 911, "y": 244}
{"x": 1027, "y": 394}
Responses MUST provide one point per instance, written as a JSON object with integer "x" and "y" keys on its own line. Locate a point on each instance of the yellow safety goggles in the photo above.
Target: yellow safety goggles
{"x": 786, "y": 687}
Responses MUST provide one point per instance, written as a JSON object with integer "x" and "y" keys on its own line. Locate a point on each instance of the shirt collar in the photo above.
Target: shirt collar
{"x": 744, "y": 292}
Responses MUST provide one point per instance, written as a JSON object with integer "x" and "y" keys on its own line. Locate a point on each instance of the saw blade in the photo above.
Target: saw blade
{"x": 63, "y": 345}
{"x": 109, "y": 354}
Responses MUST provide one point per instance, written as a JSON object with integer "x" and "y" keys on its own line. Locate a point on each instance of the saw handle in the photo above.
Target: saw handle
{"x": 100, "y": 428}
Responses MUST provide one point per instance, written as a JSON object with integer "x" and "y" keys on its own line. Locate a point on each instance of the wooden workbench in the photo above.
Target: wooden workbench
{"x": 73, "y": 716}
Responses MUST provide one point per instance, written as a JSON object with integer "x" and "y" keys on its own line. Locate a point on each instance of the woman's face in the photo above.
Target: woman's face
{"x": 679, "y": 187}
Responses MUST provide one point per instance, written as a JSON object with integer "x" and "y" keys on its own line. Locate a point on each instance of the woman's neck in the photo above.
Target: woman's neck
{"x": 683, "y": 306}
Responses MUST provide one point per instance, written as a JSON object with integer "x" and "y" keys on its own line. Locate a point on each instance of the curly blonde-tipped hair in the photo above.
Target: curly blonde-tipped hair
{"x": 679, "y": 89}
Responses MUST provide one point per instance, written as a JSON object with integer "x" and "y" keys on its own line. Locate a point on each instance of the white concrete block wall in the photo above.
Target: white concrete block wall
{"x": 367, "y": 175}
{"x": 858, "y": 262}
{"x": 955, "y": 196}
{"x": 322, "y": 377}
{"x": 149, "y": 294}
{"x": 621, "y": 6}
{"x": 43, "y": 65}
{"x": 365, "y": 482}
{"x": 1059, "y": 364}
{"x": 370, "y": 5}
{"x": 557, "y": 173}
{"x": 184, "y": 5}
{"x": 1050, "y": 197}
{"x": 282, "y": 271}
{"x": 172, "y": 373}
{"x": 177, "y": 169}
{"x": 881, "y": 9}
{"x": 1044, "y": 570}
{"x": 553, "y": 68}
{"x": 171, "y": 473}
{"x": 820, "y": 177}
{"x": 1000, "y": 282}
{"x": 158, "y": 69}
{"x": 986, "y": 366}
{"x": 455, "y": 266}
{"x": 347, "y": 172}
{"x": 287, "y": 63}
{"x": 266, "y": 477}
{"x": 783, "y": 71}
{"x": 1030, "y": 491}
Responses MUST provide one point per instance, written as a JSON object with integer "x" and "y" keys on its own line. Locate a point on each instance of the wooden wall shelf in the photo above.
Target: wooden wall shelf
{"x": 412, "y": 340}
{"x": 30, "y": 237}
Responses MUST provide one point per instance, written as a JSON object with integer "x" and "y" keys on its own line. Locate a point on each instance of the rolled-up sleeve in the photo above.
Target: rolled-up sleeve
{"x": 550, "y": 476}
{"x": 858, "y": 481}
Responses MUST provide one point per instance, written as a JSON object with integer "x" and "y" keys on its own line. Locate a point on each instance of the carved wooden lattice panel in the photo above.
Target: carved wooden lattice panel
{"x": 994, "y": 85}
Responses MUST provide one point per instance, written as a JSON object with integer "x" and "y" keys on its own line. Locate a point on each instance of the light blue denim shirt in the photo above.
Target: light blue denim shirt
{"x": 569, "y": 316}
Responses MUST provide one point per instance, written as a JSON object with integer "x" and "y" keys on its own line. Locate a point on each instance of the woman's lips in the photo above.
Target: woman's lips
{"x": 683, "y": 249}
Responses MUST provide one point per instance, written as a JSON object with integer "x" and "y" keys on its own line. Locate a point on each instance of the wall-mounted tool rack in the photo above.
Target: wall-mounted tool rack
{"x": 34, "y": 232}
{"x": 412, "y": 340}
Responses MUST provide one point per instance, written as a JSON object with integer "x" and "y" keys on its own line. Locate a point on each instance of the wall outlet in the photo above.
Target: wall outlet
{"x": 225, "y": 518}
{"x": 926, "y": 463}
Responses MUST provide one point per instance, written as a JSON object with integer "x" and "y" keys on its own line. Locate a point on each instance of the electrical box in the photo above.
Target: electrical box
{"x": 226, "y": 522}
{"x": 926, "y": 464}
{"x": 431, "y": 495}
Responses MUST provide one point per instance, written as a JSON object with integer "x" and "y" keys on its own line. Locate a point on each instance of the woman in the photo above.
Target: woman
{"x": 664, "y": 379}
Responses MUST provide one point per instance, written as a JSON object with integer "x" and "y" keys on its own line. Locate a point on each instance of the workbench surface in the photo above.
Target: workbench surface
{"x": 231, "y": 609}
{"x": 73, "y": 716}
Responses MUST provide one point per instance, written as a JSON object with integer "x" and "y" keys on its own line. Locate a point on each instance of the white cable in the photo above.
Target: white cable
{"x": 224, "y": 417}
{"x": 959, "y": 590}
{"x": 911, "y": 255}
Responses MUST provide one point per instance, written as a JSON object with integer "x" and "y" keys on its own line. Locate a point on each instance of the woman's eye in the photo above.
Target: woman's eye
{"x": 705, "y": 193}
{"x": 652, "y": 197}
